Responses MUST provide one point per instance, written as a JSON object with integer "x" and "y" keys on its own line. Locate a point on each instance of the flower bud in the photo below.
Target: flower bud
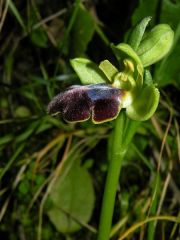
{"x": 156, "y": 44}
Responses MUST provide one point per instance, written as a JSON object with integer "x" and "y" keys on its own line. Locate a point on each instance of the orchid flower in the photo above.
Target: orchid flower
{"x": 107, "y": 89}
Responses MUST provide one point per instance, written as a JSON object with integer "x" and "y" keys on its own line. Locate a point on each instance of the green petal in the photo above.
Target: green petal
{"x": 144, "y": 105}
{"x": 109, "y": 70}
{"x": 88, "y": 71}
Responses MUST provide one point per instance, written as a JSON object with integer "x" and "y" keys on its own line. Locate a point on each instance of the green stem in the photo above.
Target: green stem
{"x": 123, "y": 133}
{"x": 117, "y": 156}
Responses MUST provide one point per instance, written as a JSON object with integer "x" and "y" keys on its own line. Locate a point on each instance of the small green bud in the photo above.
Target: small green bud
{"x": 156, "y": 44}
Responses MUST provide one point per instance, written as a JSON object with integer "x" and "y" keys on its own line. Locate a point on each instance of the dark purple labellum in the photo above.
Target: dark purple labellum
{"x": 79, "y": 103}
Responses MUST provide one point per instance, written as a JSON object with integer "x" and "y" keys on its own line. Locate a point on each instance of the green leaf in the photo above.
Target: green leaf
{"x": 167, "y": 72}
{"x": 138, "y": 32}
{"x": 24, "y": 187}
{"x": 72, "y": 200}
{"x": 108, "y": 69}
{"x": 124, "y": 51}
{"x": 144, "y": 105}
{"x": 144, "y": 9}
{"x": 38, "y": 35}
{"x": 88, "y": 71}
{"x": 82, "y": 32}
{"x": 3, "y": 103}
{"x": 170, "y": 12}
{"x": 39, "y": 38}
{"x": 156, "y": 44}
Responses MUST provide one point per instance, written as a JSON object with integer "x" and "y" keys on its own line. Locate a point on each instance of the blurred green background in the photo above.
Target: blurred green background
{"x": 52, "y": 173}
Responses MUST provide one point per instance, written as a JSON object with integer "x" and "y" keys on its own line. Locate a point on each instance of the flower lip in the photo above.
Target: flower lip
{"x": 79, "y": 103}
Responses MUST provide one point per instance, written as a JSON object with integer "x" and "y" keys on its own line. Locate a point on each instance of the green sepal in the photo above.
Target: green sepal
{"x": 108, "y": 69}
{"x": 137, "y": 33}
{"x": 88, "y": 71}
{"x": 145, "y": 104}
{"x": 156, "y": 44}
{"x": 123, "y": 51}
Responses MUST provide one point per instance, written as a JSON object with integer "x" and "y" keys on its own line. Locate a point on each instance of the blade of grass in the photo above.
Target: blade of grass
{"x": 156, "y": 191}
{"x": 46, "y": 78}
{"x": 102, "y": 35}
{"x": 6, "y": 139}
{"x": 12, "y": 159}
{"x": 142, "y": 157}
{"x": 71, "y": 23}
{"x": 17, "y": 15}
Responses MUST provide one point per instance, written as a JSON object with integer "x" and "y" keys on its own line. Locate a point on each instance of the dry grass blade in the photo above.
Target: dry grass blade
{"x": 4, "y": 13}
{"x": 118, "y": 225}
{"x": 178, "y": 140}
{"x": 141, "y": 223}
{"x": 49, "y": 18}
{"x": 163, "y": 144}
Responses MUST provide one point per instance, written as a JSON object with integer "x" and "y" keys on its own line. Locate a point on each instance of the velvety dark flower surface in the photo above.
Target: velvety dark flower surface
{"x": 79, "y": 103}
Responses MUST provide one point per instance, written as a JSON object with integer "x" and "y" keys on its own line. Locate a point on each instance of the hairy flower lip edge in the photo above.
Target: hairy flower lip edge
{"x": 115, "y": 99}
